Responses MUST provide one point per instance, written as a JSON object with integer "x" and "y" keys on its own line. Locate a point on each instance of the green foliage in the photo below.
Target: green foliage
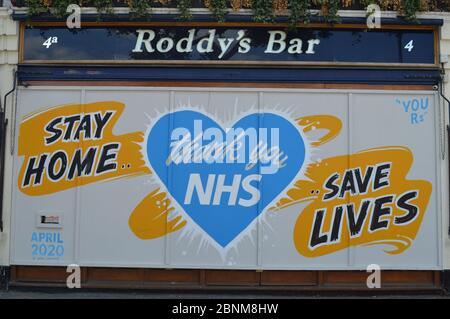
{"x": 264, "y": 10}
{"x": 184, "y": 6}
{"x": 138, "y": 8}
{"x": 299, "y": 12}
{"x": 103, "y": 6}
{"x": 59, "y": 7}
{"x": 218, "y": 9}
{"x": 35, "y": 7}
{"x": 333, "y": 8}
{"x": 410, "y": 8}
{"x": 329, "y": 9}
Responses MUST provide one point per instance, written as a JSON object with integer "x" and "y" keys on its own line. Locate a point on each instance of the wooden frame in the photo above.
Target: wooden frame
{"x": 305, "y": 281}
{"x": 231, "y": 63}
{"x": 242, "y": 280}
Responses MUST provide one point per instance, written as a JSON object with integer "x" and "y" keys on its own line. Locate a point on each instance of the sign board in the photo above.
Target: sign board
{"x": 227, "y": 178}
{"x": 247, "y": 45}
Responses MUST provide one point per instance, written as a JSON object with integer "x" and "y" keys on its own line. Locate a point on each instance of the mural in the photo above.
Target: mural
{"x": 65, "y": 148}
{"x": 219, "y": 177}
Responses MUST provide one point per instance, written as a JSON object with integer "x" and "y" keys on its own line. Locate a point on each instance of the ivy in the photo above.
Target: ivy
{"x": 218, "y": 8}
{"x": 264, "y": 10}
{"x": 138, "y": 8}
{"x": 409, "y": 9}
{"x": 299, "y": 12}
{"x": 329, "y": 10}
{"x": 184, "y": 6}
{"x": 103, "y": 6}
{"x": 333, "y": 8}
{"x": 35, "y": 7}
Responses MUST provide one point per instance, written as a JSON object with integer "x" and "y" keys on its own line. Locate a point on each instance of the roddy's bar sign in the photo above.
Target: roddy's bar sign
{"x": 228, "y": 45}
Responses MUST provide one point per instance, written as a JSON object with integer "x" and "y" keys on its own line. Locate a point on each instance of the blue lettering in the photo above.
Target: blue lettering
{"x": 406, "y": 106}
{"x": 415, "y": 105}
{"x": 48, "y": 237}
{"x": 422, "y": 105}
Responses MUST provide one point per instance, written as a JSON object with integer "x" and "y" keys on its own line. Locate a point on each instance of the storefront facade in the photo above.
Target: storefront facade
{"x": 9, "y": 39}
{"x": 237, "y": 155}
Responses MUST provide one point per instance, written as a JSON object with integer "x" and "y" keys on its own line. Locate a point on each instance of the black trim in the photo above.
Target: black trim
{"x": 445, "y": 281}
{"x": 231, "y": 74}
{"x": 448, "y": 163}
{"x": 5, "y": 276}
{"x": 228, "y": 18}
{"x": 3, "y": 126}
{"x": 448, "y": 131}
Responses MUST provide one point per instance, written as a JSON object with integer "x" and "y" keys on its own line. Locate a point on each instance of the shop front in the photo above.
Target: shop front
{"x": 202, "y": 155}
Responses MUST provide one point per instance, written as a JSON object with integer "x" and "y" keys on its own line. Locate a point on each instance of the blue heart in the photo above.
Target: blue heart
{"x": 192, "y": 182}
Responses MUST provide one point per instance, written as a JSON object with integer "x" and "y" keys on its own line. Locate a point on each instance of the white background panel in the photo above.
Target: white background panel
{"x": 96, "y": 230}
